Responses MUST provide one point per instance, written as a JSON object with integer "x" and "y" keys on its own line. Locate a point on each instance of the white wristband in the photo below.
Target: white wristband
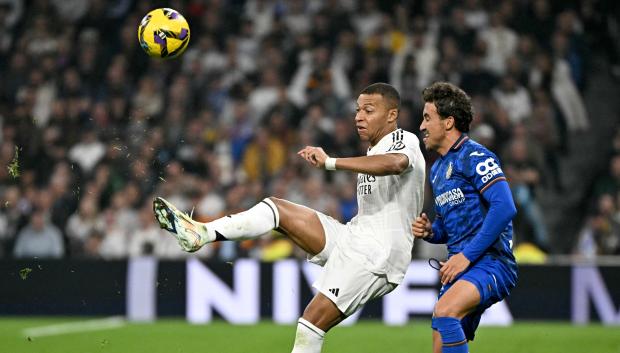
{"x": 330, "y": 163}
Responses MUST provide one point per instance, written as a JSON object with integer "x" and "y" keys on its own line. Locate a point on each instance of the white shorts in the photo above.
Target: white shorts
{"x": 345, "y": 280}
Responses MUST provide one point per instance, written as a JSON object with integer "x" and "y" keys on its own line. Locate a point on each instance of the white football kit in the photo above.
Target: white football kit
{"x": 368, "y": 257}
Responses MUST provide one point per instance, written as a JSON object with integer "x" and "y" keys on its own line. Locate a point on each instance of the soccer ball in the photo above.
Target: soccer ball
{"x": 163, "y": 33}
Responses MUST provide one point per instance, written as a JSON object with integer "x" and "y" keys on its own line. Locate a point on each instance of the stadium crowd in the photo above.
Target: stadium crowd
{"x": 600, "y": 234}
{"x": 92, "y": 129}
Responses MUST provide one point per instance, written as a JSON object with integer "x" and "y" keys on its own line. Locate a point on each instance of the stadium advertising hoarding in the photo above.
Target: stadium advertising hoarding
{"x": 207, "y": 294}
{"x": 247, "y": 291}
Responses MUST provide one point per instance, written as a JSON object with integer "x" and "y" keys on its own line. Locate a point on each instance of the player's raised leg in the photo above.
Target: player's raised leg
{"x": 192, "y": 235}
{"x": 301, "y": 224}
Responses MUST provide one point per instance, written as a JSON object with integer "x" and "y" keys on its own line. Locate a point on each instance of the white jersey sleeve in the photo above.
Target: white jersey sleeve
{"x": 404, "y": 142}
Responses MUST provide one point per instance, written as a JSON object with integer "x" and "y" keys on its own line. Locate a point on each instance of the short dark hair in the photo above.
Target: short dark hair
{"x": 387, "y": 91}
{"x": 452, "y": 101}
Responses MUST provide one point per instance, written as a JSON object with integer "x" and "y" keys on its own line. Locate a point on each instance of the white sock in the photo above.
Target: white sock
{"x": 309, "y": 338}
{"x": 249, "y": 224}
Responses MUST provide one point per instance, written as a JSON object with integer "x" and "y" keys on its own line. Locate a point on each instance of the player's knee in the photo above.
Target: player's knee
{"x": 275, "y": 200}
{"x": 280, "y": 204}
{"x": 282, "y": 209}
{"x": 291, "y": 216}
{"x": 323, "y": 313}
{"x": 316, "y": 311}
{"x": 446, "y": 309}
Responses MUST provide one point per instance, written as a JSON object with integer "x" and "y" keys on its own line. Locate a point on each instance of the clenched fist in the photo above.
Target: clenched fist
{"x": 421, "y": 226}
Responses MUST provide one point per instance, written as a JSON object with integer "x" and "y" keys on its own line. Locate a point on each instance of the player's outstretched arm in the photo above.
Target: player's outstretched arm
{"x": 384, "y": 164}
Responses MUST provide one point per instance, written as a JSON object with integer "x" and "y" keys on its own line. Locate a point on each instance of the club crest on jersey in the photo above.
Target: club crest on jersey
{"x": 449, "y": 171}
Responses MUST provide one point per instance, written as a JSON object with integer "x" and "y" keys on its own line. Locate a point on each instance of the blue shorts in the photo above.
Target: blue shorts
{"x": 494, "y": 281}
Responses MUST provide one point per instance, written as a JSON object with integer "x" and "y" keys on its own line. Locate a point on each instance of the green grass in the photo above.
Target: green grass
{"x": 176, "y": 336}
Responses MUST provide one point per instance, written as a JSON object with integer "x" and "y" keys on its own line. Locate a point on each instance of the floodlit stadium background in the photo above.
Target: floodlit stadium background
{"x": 91, "y": 129}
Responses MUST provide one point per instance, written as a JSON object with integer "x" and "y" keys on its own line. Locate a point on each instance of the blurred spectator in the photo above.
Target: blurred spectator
{"x": 542, "y": 128}
{"x": 264, "y": 156}
{"x": 149, "y": 97}
{"x": 514, "y": 99}
{"x": 348, "y": 53}
{"x": 367, "y": 20}
{"x": 10, "y": 218}
{"x": 211, "y": 204}
{"x": 88, "y": 151}
{"x": 555, "y": 78}
{"x": 82, "y": 224}
{"x": 121, "y": 221}
{"x": 525, "y": 177}
{"x": 6, "y": 32}
{"x": 500, "y": 43}
{"x": 347, "y": 200}
{"x": 314, "y": 70}
{"x": 484, "y": 134}
{"x": 343, "y": 140}
{"x": 265, "y": 95}
{"x": 40, "y": 238}
{"x": 476, "y": 79}
{"x": 567, "y": 43}
{"x": 459, "y": 31}
{"x": 12, "y": 11}
{"x": 297, "y": 17}
{"x": 316, "y": 124}
{"x": 609, "y": 184}
{"x": 601, "y": 234}
{"x": 317, "y": 196}
{"x": 538, "y": 20}
{"x": 262, "y": 14}
{"x": 475, "y": 15}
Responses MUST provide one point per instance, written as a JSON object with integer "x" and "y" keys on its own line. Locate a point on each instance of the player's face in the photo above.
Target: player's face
{"x": 373, "y": 117}
{"x": 433, "y": 128}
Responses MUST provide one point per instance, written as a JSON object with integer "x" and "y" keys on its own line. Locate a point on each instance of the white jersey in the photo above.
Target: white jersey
{"x": 387, "y": 205}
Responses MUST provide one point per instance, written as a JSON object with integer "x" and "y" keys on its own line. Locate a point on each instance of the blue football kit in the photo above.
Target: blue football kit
{"x": 474, "y": 208}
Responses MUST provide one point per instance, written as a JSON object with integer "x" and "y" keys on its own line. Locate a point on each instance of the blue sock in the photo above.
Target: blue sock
{"x": 452, "y": 335}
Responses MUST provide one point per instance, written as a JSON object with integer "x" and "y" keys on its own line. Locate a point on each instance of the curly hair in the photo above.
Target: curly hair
{"x": 452, "y": 101}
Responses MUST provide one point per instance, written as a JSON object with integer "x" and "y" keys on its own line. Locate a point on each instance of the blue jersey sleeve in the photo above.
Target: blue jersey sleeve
{"x": 482, "y": 168}
{"x": 501, "y": 211}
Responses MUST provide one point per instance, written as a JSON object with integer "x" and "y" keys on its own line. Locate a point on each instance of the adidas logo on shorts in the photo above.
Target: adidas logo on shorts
{"x": 334, "y": 291}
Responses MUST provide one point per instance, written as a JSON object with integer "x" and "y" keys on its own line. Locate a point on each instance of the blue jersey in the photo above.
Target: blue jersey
{"x": 459, "y": 179}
